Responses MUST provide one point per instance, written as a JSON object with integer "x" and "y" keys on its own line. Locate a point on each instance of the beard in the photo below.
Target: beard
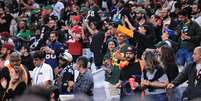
{"x": 53, "y": 41}
{"x": 130, "y": 59}
{"x": 62, "y": 65}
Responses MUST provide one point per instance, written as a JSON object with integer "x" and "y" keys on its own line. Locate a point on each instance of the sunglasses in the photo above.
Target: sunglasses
{"x": 61, "y": 58}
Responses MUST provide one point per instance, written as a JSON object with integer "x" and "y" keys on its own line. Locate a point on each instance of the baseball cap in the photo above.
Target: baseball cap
{"x": 76, "y": 18}
{"x": 5, "y": 34}
{"x": 8, "y": 46}
{"x": 131, "y": 49}
{"x": 84, "y": 10}
{"x": 76, "y": 29}
{"x": 141, "y": 10}
{"x": 160, "y": 44}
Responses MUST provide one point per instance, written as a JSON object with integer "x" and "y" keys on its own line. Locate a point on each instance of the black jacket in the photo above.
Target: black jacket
{"x": 194, "y": 32}
{"x": 189, "y": 73}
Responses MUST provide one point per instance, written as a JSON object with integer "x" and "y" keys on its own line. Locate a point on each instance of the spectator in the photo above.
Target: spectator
{"x": 4, "y": 82}
{"x": 20, "y": 77}
{"x": 84, "y": 83}
{"x": 65, "y": 73}
{"x": 155, "y": 79}
{"x": 117, "y": 56}
{"x": 6, "y": 50}
{"x": 46, "y": 30}
{"x": 53, "y": 50}
{"x": 27, "y": 60}
{"x": 164, "y": 15}
{"x": 145, "y": 39}
{"x": 5, "y": 20}
{"x": 130, "y": 71}
{"x": 36, "y": 40}
{"x": 196, "y": 13}
{"x": 110, "y": 70}
{"x": 167, "y": 58}
{"x": 192, "y": 74}
{"x": 75, "y": 43}
{"x": 166, "y": 41}
{"x": 42, "y": 73}
{"x": 110, "y": 34}
{"x": 23, "y": 35}
{"x": 6, "y": 38}
{"x": 96, "y": 44}
{"x": 70, "y": 19}
{"x": 189, "y": 38}
{"x": 156, "y": 22}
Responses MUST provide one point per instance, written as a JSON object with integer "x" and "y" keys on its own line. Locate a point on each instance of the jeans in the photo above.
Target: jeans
{"x": 183, "y": 56}
{"x": 175, "y": 94}
{"x": 157, "y": 97}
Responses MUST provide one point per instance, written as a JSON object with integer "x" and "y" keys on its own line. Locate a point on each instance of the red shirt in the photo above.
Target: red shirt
{"x": 74, "y": 47}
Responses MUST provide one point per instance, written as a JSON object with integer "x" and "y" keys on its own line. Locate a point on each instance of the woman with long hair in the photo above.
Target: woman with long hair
{"x": 167, "y": 60}
{"x": 111, "y": 72}
{"x": 154, "y": 78}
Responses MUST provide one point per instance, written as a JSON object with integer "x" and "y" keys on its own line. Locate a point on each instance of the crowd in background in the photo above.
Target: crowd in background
{"x": 140, "y": 44}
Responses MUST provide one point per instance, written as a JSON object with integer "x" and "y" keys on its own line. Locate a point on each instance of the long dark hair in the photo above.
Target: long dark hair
{"x": 167, "y": 56}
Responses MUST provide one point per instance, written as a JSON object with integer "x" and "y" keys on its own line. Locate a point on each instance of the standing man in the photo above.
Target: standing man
{"x": 53, "y": 50}
{"x": 42, "y": 73}
{"x": 65, "y": 73}
{"x": 84, "y": 83}
{"x": 190, "y": 37}
{"x": 19, "y": 76}
{"x": 196, "y": 13}
{"x": 192, "y": 73}
{"x": 75, "y": 44}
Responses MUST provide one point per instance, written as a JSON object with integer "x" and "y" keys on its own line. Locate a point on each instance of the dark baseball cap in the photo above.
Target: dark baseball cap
{"x": 131, "y": 49}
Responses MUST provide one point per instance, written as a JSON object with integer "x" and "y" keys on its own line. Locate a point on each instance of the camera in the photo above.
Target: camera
{"x": 184, "y": 29}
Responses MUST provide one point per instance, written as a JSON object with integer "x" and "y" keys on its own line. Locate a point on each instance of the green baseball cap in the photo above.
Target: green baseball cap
{"x": 160, "y": 44}
{"x": 84, "y": 10}
{"x": 140, "y": 10}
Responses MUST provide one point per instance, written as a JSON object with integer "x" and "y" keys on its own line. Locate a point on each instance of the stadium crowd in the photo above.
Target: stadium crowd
{"x": 147, "y": 48}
